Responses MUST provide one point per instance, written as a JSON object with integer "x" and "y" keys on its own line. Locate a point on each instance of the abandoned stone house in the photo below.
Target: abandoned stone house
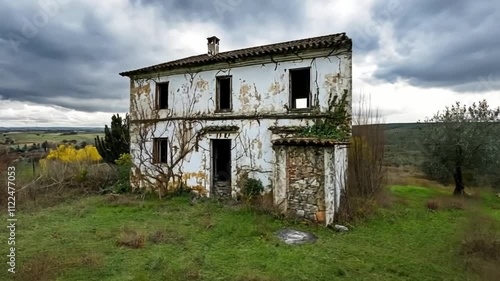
{"x": 211, "y": 121}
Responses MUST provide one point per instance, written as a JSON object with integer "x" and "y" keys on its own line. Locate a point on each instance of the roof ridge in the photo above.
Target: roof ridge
{"x": 286, "y": 42}
{"x": 297, "y": 44}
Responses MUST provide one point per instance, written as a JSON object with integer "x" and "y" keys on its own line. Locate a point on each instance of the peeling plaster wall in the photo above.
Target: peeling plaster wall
{"x": 251, "y": 152}
{"x": 340, "y": 172}
{"x": 280, "y": 179}
{"x": 256, "y": 90}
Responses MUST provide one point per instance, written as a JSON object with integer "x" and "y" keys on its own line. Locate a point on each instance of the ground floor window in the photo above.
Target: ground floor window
{"x": 160, "y": 149}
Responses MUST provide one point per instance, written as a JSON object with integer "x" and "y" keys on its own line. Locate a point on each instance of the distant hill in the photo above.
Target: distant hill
{"x": 52, "y": 129}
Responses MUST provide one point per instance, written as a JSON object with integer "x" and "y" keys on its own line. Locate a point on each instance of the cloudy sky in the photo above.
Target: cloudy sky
{"x": 60, "y": 59}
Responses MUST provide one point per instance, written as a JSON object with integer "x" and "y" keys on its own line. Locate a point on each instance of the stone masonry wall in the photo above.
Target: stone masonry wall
{"x": 222, "y": 189}
{"x": 306, "y": 195}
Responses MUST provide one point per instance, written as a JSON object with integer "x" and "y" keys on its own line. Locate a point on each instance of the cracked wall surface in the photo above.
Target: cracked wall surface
{"x": 260, "y": 100}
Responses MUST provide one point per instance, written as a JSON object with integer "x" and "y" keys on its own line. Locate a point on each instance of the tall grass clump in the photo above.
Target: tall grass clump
{"x": 366, "y": 173}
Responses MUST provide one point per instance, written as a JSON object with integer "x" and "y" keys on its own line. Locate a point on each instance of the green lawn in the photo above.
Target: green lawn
{"x": 78, "y": 241}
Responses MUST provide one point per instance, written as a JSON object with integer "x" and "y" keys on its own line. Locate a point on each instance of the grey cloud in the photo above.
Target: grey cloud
{"x": 78, "y": 67}
{"x": 449, "y": 44}
{"x": 64, "y": 67}
{"x": 75, "y": 64}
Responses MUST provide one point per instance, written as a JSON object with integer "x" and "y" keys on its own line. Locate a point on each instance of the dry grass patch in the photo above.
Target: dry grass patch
{"x": 123, "y": 200}
{"x": 409, "y": 175}
{"x": 433, "y": 205}
{"x": 157, "y": 237}
{"x": 446, "y": 203}
{"x": 131, "y": 238}
{"x": 92, "y": 259}
{"x": 207, "y": 221}
{"x": 166, "y": 236}
{"x": 481, "y": 246}
{"x": 43, "y": 267}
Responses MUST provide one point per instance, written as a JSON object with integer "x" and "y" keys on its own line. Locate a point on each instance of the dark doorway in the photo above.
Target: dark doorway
{"x": 221, "y": 167}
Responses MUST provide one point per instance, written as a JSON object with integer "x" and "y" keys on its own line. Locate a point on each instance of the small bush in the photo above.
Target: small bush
{"x": 68, "y": 153}
{"x": 252, "y": 187}
{"x": 124, "y": 165}
{"x": 433, "y": 205}
{"x": 131, "y": 238}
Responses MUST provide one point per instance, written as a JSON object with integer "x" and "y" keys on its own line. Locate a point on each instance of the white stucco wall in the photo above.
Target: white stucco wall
{"x": 260, "y": 95}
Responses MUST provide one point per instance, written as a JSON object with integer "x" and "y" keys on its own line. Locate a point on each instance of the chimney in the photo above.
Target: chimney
{"x": 213, "y": 45}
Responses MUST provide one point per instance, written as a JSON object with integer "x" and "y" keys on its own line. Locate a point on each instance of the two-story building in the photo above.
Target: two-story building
{"x": 211, "y": 120}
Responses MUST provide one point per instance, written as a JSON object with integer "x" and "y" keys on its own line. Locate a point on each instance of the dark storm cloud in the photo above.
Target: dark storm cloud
{"x": 232, "y": 13}
{"x": 451, "y": 44}
{"x": 58, "y": 65}
{"x": 73, "y": 59}
{"x": 76, "y": 64}
{"x": 236, "y": 16}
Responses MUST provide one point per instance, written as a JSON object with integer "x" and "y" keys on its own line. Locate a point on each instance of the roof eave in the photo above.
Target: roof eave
{"x": 342, "y": 45}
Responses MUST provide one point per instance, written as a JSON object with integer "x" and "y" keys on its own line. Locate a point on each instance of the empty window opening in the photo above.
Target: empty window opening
{"x": 160, "y": 149}
{"x": 162, "y": 95}
{"x": 300, "y": 85}
{"x": 224, "y": 93}
{"x": 221, "y": 159}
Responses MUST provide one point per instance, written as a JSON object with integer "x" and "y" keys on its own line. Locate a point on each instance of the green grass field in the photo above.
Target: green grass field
{"x": 77, "y": 240}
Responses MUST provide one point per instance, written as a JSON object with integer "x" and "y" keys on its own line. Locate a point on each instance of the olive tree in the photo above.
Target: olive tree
{"x": 461, "y": 138}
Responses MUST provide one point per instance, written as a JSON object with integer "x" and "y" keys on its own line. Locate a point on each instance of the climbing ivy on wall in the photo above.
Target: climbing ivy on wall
{"x": 337, "y": 125}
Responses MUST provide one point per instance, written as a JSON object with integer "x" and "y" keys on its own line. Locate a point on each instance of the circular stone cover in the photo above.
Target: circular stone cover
{"x": 290, "y": 236}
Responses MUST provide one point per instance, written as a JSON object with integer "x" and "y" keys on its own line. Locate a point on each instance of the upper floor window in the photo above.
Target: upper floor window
{"x": 162, "y": 95}
{"x": 223, "y": 99}
{"x": 300, "y": 85}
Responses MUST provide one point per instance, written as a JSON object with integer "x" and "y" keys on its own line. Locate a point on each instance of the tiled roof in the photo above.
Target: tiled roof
{"x": 336, "y": 41}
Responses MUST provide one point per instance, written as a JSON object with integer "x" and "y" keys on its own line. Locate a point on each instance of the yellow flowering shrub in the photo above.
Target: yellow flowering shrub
{"x": 68, "y": 153}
